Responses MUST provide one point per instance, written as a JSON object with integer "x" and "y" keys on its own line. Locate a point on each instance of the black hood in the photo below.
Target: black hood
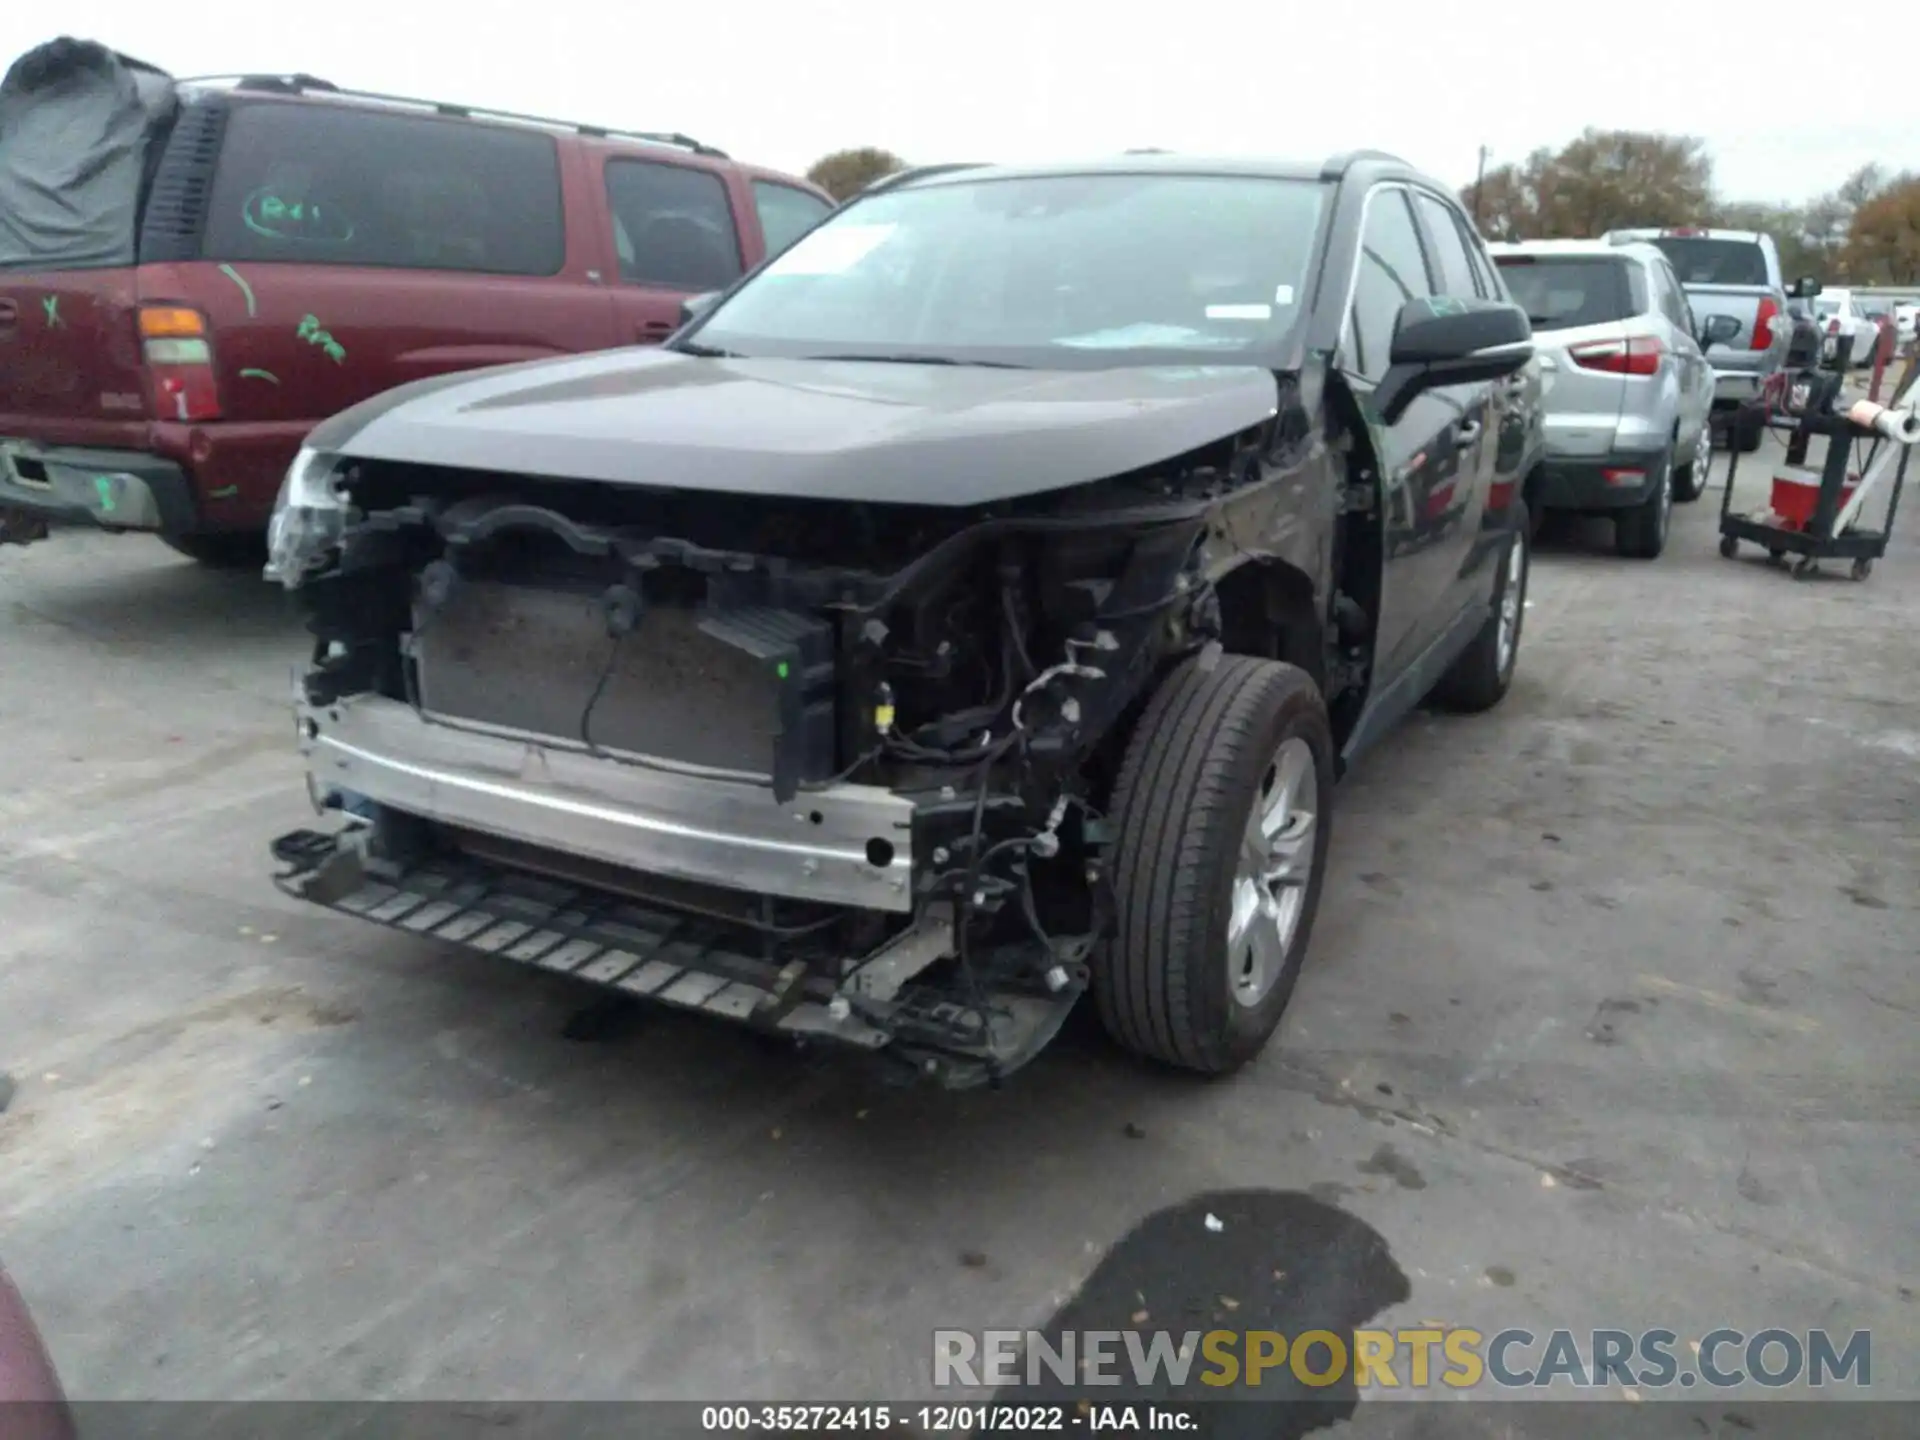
{"x": 832, "y": 430}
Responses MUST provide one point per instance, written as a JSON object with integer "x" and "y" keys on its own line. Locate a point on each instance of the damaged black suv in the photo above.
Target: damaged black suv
{"x": 972, "y": 607}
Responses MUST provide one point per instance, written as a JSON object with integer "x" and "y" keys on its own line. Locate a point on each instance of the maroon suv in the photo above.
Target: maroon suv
{"x": 223, "y": 264}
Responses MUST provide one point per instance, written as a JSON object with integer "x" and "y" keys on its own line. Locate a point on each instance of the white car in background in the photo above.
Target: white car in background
{"x": 1839, "y": 316}
{"x": 1905, "y": 316}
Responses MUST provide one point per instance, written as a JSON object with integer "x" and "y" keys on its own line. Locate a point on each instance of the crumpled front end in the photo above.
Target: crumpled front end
{"x": 827, "y": 769}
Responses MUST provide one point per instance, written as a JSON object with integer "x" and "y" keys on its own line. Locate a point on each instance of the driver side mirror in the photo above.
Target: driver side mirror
{"x": 1805, "y": 288}
{"x": 1718, "y": 330}
{"x": 1440, "y": 341}
{"x": 694, "y": 306}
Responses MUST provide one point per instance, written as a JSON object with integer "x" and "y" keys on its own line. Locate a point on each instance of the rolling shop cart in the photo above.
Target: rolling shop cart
{"x": 1812, "y": 515}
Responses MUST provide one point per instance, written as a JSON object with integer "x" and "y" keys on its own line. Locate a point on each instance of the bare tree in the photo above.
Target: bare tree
{"x": 1861, "y": 186}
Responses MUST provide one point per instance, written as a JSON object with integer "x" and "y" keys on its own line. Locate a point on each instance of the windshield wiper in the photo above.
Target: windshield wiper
{"x": 704, "y": 352}
{"x": 909, "y": 359}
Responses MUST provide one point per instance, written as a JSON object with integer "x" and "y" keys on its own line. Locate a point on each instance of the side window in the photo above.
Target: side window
{"x": 1483, "y": 270}
{"x": 326, "y": 185}
{"x": 1677, "y": 306}
{"x": 672, "y": 226}
{"x": 786, "y": 213}
{"x": 1392, "y": 271}
{"x": 1682, "y": 306}
{"x": 1649, "y": 278}
{"x": 1666, "y": 294}
{"x": 1642, "y": 295}
{"x": 1450, "y": 250}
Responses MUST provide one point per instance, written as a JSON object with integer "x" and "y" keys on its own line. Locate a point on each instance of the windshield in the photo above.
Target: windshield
{"x": 1560, "y": 294}
{"x": 1058, "y": 270}
{"x": 1715, "y": 262}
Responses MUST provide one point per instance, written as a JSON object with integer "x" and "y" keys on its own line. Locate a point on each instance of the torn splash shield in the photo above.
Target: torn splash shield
{"x": 690, "y": 960}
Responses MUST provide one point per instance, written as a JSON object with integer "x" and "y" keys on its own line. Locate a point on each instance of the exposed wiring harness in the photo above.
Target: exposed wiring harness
{"x": 1071, "y": 667}
{"x": 1013, "y": 647}
{"x": 620, "y": 606}
{"x": 593, "y": 699}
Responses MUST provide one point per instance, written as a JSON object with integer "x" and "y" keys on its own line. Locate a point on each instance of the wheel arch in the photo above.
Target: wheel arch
{"x": 1270, "y": 610}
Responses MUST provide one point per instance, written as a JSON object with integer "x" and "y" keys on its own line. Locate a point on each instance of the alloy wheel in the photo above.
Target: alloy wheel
{"x": 1270, "y": 879}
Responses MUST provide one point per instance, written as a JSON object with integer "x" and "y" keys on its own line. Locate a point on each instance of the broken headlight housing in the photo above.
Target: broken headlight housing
{"x": 307, "y": 518}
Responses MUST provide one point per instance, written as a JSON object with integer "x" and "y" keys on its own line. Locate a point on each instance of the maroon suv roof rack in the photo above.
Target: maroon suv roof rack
{"x": 300, "y": 84}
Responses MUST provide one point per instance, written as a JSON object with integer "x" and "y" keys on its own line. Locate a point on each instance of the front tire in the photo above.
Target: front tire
{"x": 1222, "y": 812}
{"x": 1749, "y": 426}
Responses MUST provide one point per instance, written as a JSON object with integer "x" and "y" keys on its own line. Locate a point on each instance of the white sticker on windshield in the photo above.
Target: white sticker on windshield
{"x": 1239, "y": 312}
{"x": 1283, "y": 295}
{"x": 831, "y": 250}
{"x": 1141, "y": 336}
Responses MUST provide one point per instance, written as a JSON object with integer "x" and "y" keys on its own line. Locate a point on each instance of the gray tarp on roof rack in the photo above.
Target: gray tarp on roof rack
{"x": 76, "y": 120}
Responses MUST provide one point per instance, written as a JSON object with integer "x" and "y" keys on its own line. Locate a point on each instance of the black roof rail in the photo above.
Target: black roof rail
{"x": 1337, "y": 166}
{"x": 916, "y": 172}
{"x": 301, "y": 84}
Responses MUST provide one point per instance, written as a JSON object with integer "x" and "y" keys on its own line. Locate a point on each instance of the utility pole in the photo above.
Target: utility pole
{"x": 1479, "y": 184}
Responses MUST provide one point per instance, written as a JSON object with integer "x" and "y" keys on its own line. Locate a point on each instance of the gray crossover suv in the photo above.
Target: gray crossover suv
{"x": 968, "y": 611}
{"x": 1628, "y": 390}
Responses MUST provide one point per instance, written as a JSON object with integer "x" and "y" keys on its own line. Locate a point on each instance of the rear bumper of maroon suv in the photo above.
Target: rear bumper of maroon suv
{"x": 32, "y": 1404}
{"x": 114, "y": 489}
{"x": 172, "y": 478}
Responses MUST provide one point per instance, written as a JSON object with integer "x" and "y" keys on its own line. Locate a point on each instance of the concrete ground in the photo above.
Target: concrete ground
{"x": 1610, "y": 1020}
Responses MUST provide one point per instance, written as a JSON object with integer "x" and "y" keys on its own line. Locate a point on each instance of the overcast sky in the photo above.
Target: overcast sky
{"x": 988, "y": 80}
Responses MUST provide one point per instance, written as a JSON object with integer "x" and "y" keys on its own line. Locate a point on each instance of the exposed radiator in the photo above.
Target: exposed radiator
{"x": 698, "y": 687}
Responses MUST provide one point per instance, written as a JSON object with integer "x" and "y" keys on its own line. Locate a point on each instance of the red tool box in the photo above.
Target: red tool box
{"x": 1796, "y": 495}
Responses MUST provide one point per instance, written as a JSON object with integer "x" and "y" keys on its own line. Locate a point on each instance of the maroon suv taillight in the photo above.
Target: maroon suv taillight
{"x": 1638, "y": 356}
{"x": 179, "y": 360}
{"x": 1763, "y": 324}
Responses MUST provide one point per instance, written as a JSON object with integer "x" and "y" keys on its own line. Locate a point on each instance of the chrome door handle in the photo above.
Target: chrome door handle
{"x": 1469, "y": 432}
